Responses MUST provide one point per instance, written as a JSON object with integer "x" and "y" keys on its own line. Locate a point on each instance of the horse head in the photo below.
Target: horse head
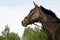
{"x": 33, "y": 16}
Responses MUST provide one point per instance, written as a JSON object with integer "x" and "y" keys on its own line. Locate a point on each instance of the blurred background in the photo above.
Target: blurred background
{"x": 13, "y": 11}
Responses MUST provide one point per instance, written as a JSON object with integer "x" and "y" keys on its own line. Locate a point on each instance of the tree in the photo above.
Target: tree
{"x": 2, "y": 38}
{"x": 6, "y": 35}
{"x": 6, "y": 31}
{"x": 34, "y": 34}
{"x": 13, "y": 36}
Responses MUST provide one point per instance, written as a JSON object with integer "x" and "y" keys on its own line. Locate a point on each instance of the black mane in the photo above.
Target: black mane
{"x": 49, "y": 12}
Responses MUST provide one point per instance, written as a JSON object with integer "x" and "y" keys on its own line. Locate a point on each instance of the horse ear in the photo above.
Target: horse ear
{"x": 35, "y": 4}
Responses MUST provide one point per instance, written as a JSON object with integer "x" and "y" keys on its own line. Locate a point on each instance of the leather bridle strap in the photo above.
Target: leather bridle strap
{"x": 58, "y": 21}
{"x": 36, "y": 25}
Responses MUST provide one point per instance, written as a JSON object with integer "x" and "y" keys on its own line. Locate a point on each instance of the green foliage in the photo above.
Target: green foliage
{"x": 13, "y": 36}
{"x": 2, "y": 38}
{"x": 34, "y": 34}
{"x": 29, "y": 34}
{"x": 6, "y": 31}
{"x": 6, "y": 35}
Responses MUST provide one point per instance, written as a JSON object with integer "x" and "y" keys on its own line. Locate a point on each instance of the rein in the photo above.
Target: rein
{"x": 58, "y": 21}
{"x": 36, "y": 25}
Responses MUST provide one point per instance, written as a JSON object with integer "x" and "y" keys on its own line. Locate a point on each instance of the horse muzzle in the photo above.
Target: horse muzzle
{"x": 24, "y": 24}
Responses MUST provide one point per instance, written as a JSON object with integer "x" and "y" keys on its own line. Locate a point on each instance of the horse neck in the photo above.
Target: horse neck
{"x": 47, "y": 18}
{"x": 51, "y": 19}
{"x": 46, "y": 26}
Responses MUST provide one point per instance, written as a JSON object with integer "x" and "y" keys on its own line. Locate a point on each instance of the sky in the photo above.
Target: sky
{"x": 12, "y": 12}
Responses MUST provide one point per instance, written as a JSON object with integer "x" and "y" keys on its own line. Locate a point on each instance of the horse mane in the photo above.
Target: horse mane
{"x": 49, "y": 12}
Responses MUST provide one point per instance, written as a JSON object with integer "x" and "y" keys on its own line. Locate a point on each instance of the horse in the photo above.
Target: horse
{"x": 48, "y": 19}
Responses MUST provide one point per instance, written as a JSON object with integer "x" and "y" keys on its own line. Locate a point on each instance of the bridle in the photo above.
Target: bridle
{"x": 56, "y": 21}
